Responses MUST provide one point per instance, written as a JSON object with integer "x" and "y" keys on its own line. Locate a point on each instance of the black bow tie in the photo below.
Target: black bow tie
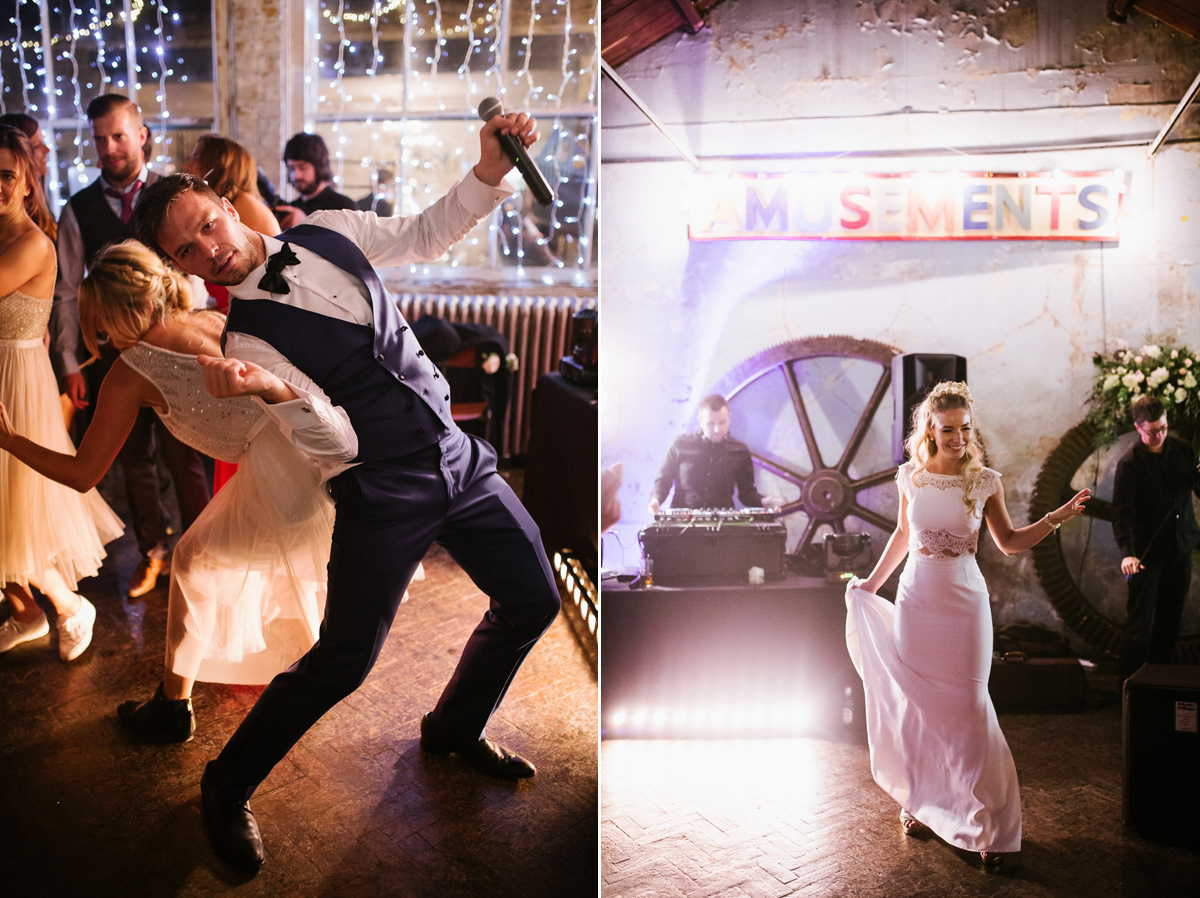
{"x": 273, "y": 281}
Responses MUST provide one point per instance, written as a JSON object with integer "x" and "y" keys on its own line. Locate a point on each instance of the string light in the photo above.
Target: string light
{"x": 163, "y": 113}
{"x": 22, "y": 64}
{"x": 400, "y": 117}
{"x": 387, "y": 73}
{"x": 74, "y": 34}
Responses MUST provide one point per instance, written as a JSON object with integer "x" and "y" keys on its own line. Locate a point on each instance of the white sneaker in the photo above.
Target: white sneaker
{"x": 13, "y": 632}
{"x": 75, "y": 632}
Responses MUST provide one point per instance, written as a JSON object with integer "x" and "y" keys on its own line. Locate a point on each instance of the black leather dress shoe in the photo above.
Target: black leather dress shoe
{"x": 231, "y": 826}
{"x": 485, "y": 755}
{"x": 159, "y": 718}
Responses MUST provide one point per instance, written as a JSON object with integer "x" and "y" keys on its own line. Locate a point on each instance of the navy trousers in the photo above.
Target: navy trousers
{"x": 388, "y": 515}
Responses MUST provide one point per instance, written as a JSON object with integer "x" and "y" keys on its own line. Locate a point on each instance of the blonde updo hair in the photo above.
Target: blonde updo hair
{"x": 128, "y": 290}
{"x": 921, "y": 446}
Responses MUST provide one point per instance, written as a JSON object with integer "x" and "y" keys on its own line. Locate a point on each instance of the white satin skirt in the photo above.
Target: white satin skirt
{"x": 935, "y": 742}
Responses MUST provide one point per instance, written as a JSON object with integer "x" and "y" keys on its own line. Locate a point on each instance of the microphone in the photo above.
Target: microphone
{"x": 534, "y": 179}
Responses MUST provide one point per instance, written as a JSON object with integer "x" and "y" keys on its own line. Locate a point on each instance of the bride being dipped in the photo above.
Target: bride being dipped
{"x": 248, "y": 577}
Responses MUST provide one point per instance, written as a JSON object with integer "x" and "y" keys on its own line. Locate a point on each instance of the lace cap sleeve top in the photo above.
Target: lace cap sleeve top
{"x": 939, "y": 521}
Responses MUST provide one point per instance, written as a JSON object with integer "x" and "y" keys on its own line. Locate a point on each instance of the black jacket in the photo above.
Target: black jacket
{"x": 705, "y": 473}
{"x": 1152, "y": 489}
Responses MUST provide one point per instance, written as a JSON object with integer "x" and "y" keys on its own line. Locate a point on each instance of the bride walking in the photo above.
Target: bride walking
{"x": 50, "y": 537}
{"x": 935, "y": 742}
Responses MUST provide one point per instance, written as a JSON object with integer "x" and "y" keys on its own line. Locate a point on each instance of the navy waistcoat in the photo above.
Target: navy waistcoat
{"x": 395, "y": 397}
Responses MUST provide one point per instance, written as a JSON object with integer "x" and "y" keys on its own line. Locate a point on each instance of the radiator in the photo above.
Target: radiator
{"x": 538, "y": 328}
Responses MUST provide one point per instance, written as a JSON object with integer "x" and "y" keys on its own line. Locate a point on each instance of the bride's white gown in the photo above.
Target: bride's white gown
{"x": 936, "y": 746}
{"x": 249, "y": 576}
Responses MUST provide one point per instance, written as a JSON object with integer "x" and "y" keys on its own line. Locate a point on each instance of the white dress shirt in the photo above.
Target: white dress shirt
{"x": 317, "y": 426}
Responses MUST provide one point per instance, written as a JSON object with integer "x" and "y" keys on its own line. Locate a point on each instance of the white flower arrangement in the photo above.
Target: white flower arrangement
{"x": 1164, "y": 371}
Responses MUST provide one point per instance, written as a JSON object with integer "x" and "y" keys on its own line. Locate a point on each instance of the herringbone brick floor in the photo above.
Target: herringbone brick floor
{"x": 356, "y": 809}
{"x": 802, "y": 817}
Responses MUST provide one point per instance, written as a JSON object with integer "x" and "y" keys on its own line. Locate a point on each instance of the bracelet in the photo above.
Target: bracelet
{"x": 1053, "y": 526}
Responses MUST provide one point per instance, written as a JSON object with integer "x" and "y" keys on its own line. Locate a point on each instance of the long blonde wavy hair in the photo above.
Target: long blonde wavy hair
{"x": 921, "y": 446}
{"x": 129, "y": 289}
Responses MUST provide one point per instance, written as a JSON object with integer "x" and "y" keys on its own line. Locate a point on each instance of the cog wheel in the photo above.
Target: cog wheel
{"x": 816, "y": 414}
{"x": 1080, "y": 608}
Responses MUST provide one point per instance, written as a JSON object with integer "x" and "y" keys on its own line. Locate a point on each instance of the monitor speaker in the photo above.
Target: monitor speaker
{"x": 913, "y": 376}
{"x": 1161, "y": 736}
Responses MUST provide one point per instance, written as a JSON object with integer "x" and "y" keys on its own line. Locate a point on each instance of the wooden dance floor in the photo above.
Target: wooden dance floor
{"x": 355, "y": 810}
{"x": 802, "y": 817}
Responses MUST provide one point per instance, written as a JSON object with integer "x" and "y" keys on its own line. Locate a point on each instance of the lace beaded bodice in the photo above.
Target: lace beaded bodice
{"x": 939, "y": 522}
{"x": 220, "y": 428}
{"x": 23, "y": 317}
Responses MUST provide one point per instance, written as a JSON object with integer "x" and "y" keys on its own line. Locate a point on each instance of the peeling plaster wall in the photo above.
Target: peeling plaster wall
{"x": 1004, "y": 86}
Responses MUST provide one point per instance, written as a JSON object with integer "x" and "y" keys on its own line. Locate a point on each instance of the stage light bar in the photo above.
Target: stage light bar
{"x": 719, "y": 721}
{"x": 579, "y": 588}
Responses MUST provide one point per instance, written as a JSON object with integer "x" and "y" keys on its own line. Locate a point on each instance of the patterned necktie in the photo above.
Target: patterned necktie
{"x": 273, "y": 281}
{"x": 126, "y": 199}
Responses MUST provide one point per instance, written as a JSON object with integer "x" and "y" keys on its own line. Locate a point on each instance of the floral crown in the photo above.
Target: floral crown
{"x": 950, "y": 388}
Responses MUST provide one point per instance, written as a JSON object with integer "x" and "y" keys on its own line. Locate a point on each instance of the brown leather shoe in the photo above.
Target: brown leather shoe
{"x": 145, "y": 577}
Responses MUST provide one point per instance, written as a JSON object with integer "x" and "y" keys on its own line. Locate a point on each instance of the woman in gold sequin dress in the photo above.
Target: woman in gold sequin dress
{"x": 50, "y": 536}
{"x": 248, "y": 577}
{"x": 936, "y": 745}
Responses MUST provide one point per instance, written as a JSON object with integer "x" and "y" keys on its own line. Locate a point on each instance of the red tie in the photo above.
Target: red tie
{"x": 126, "y": 199}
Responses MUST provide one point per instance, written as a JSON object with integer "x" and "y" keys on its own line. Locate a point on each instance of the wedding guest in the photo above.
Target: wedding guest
{"x": 50, "y": 536}
{"x": 94, "y": 217}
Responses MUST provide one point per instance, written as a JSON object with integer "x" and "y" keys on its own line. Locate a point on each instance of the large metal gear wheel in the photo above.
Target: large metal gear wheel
{"x": 817, "y": 416}
{"x": 1053, "y": 487}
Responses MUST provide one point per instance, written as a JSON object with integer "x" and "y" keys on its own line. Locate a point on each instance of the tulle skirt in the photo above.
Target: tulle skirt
{"x": 44, "y": 526}
{"x": 249, "y": 576}
{"x": 935, "y": 742}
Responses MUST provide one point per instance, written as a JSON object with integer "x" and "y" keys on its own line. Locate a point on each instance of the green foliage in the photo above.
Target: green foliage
{"x": 1172, "y": 373}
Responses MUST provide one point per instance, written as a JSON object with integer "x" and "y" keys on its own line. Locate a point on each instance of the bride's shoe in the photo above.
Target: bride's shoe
{"x": 991, "y": 860}
{"x": 910, "y": 824}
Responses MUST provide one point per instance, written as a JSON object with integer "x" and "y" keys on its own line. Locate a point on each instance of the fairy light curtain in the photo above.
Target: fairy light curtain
{"x": 55, "y": 57}
{"x": 395, "y": 85}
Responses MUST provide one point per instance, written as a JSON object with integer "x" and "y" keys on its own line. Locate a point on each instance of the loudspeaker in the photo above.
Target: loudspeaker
{"x": 914, "y": 374}
{"x": 1161, "y": 791}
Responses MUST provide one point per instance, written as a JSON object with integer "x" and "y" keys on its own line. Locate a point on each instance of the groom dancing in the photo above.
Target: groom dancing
{"x": 314, "y": 335}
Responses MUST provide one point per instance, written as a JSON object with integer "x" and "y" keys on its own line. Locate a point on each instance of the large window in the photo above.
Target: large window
{"x": 56, "y": 57}
{"x": 395, "y": 88}
{"x": 392, "y": 85}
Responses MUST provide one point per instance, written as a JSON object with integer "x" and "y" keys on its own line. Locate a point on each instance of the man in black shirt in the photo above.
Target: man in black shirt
{"x": 1155, "y": 528}
{"x": 307, "y": 160}
{"x": 706, "y": 467}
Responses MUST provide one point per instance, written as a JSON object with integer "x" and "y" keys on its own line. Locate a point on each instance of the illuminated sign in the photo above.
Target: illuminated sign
{"x": 910, "y": 206}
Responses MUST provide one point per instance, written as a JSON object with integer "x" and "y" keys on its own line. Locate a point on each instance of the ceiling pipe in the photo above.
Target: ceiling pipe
{"x": 1183, "y": 104}
{"x": 654, "y": 120}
